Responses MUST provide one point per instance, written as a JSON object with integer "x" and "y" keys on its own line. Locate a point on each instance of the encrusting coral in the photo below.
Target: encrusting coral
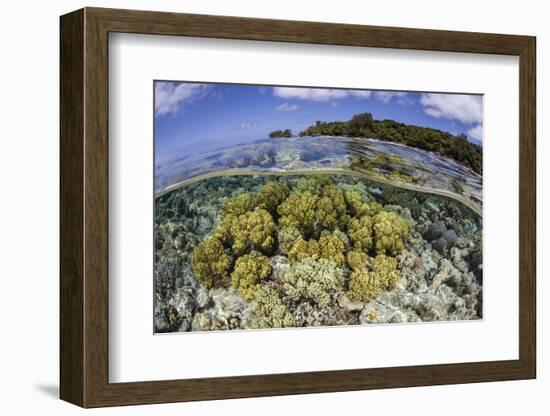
{"x": 317, "y": 232}
{"x": 250, "y": 269}
{"x": 269, "y": 311}
{"x": 210, "y": 262}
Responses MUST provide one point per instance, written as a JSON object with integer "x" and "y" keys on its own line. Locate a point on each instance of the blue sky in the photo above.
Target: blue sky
{"x": 208, "y": 116}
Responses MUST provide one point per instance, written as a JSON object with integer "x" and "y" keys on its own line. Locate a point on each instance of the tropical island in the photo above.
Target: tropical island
{"x": 364, "y": 125}
{"x": 277, "y": 134}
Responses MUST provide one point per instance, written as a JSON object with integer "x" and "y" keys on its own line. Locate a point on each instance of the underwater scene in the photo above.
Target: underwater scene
{"x": 364, "y": 220}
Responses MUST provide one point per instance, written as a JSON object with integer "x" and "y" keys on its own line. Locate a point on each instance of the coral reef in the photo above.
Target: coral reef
{"x": 313, "y": 280}
{"x": 239, "y": 205}
{"x": 250, "y": 269}
{"x": 210, "y": 261}
{"x": 271, "y": 195}
{"x": 299, "y": 211}
{"x": 390, "y": 231}
{"x": 252, "y": 230}
{"x": 365, "y": 285}
{"x": 287, "y": 237}
{"x": 360, "y": 232}
{"x": 331, "y": 247}
{"x": 269, "y": 311}
{"x": 241, "y": 252}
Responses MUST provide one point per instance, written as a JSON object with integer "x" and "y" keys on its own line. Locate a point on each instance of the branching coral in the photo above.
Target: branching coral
{"x": 253, "y": 230}
{"x": 238, "y": 205}
{"x": 287, "y": 237}
{"x": 210, "y": 262}
{"x": 360, "y": 233}
{"x": 314, "y": 280}
{"x": 250, "y": 269}
{"x": 365, "y": 285}
{"x": 390, "y": 232}
{"x": 271, "y": 195}
{"x": 269, "y": 311}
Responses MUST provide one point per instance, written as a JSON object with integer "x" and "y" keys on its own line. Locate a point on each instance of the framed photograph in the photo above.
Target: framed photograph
{"x": 256, "y": 207}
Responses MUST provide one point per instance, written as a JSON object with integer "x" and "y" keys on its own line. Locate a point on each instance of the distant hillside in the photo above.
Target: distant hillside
{"x": 443, "y": 143}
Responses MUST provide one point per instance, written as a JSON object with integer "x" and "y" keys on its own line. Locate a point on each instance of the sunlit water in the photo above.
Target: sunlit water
{"x": 399, "y": 164}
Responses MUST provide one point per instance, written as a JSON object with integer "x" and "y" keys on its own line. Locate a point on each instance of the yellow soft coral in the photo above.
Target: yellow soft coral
{"x": 250, "y": 269}
{"x": 390, "y": 231}
{"x": 299, "y": 211}
{"x": 331, "y": 208}
{"x": 365, "y": 285}
{"x": 357, "y": 260}
{"x": 210, "y": 262}
{"x": 302, "y": 249}
{"x": 271, "y": 195}
{"x": 253, "y": 230}
{"x": 360, "y": 233}
{"x": 332, "y": 248}
{"x": 239, "y": 204}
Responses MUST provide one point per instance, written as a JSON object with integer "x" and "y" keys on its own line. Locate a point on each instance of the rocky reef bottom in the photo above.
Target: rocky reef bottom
{"x": 246, "y": 252}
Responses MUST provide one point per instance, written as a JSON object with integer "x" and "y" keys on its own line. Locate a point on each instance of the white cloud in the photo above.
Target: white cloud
{"x": 476, "y": 132}
{"x": 360, "y": 94}
{"x": 309, "y": 94}
{"x": 171, "y": 96}
{"x": 246, "y": 125}
{"x": 318, "y": 94}
{"x": 287, "y": 107}
{"x": 464, "y": 108}
{"x": 386, "y": 96}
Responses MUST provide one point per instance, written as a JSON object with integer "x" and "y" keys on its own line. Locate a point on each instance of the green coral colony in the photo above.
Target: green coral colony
{"x": 302, "y": 251}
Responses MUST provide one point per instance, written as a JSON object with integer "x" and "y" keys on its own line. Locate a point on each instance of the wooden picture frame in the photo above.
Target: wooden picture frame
{"x": 84, "y": 207}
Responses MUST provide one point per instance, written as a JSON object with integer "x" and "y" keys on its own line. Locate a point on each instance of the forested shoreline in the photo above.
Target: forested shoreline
{"x": 458, "y": 147}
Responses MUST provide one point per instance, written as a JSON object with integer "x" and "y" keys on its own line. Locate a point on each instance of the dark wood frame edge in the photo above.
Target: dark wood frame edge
{"x": 84, "y": 207}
